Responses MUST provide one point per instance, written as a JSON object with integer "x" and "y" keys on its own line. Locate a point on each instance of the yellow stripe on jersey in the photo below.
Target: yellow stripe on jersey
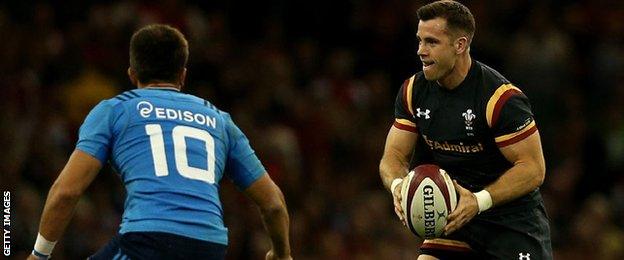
{"x": 410, "y": 88}
{"x": 507, "y": 137}
{"x": 495, "y": 98}
{"x": 405, "y": 122}
{"x": 447, "y": 242}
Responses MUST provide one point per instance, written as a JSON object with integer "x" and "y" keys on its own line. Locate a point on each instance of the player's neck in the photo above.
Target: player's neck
{"x": 458, "y": 74}
{"x": 164, "y": 85}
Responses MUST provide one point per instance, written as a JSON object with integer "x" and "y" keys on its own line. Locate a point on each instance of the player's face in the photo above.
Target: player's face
{"x": 435, "y": 49}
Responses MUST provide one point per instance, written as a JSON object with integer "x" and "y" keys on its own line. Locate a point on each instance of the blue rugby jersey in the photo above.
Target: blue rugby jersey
{"x": 171, "y": 150}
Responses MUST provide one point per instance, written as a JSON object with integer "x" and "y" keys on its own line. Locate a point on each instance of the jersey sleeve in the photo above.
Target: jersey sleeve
{"x": 509, "y": 115}
{"x": 403, "y": 110}
{"x": 243, "y": 166}
{"x": 96, "y": 133}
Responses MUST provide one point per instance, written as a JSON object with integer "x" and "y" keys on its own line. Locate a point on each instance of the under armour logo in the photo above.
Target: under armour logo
{"x": 522, "y": 256}
{"x": 421, "y": 113}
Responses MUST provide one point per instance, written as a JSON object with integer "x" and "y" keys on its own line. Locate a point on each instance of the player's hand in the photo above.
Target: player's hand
{"x": 397, "y": 195}
{"x": 466, "y": 209}
{"x": 32, "y": 257}
{"x": 272, "y": 256}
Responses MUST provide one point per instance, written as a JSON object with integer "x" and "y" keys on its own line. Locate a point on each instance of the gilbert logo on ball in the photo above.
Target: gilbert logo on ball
{"x": 428, "y": 198}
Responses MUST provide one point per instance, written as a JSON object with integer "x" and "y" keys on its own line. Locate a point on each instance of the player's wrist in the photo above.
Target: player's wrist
{"x": 394, "y": 184}
{"x": 280, "y": 254}
{"x": 484, "y": 200}
{"x": 43, "y": 247}
{"x": 39, "y": 256}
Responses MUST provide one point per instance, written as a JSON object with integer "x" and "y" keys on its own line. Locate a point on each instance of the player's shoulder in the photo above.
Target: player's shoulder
{"x": 492, "y": 80}
{"x": 205, "y": 103}
{"x": 115, "y": 101}
{"x": 162, "y": 94}
{"x": 114, "y": 105}
{"x": 138, "y": 97}
{"x": 413, "y": 84}
{"x": 122, "y": 97}
{"x": 208, "y": 107}
{"x": 419, "y": 79}
{"x": 498, "y": 91}
{"x": 416, "y": 80}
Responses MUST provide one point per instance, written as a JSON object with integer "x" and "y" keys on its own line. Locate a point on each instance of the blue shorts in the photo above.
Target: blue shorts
{"x": 158, "y": 245}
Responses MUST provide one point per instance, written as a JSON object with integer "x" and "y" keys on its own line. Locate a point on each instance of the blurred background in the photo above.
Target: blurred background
{"x": 312, "y": 84}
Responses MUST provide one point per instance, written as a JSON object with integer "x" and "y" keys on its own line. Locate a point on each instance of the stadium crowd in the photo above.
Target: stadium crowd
{"x": 312, "y": 84}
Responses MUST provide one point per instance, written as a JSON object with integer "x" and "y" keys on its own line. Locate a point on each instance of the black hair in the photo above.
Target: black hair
{"x": 158, "y": 52}
{"x": 458, "y": 17}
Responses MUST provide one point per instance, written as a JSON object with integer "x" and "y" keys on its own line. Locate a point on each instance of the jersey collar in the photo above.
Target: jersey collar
{"x": 161, "y": 88}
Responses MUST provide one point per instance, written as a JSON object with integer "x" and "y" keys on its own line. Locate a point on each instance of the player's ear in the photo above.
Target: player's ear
{"x": 182, "y": 77}
{"x": 461, "y": 44}
{"x": 132, "y": 76}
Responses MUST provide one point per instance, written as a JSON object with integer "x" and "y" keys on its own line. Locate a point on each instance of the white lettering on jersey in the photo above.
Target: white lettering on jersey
{"x": 145, "y": 110}
{"x": 160, "y": 112}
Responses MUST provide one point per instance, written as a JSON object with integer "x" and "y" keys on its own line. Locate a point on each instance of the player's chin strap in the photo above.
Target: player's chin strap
{"x": 43, "y": 247}
{"x": 484, "y": 200}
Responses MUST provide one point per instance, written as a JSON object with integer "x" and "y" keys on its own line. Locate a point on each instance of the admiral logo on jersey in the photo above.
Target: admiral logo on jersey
{"x": 459, "y": 147}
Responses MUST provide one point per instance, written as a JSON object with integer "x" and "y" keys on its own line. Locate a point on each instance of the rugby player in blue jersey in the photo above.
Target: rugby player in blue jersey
{"x": 171, "y": 151}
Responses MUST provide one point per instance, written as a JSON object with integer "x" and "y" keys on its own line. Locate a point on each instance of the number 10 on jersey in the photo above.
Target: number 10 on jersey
{"x": 179, "y": 135}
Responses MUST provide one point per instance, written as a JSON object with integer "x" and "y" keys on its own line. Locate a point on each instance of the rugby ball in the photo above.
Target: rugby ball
{"x": 428, "y": 197}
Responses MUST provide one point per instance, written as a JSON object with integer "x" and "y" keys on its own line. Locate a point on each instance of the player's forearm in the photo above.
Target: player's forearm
{"x": 519, "y": 180}
{"x": 57, "y": 213}
{"x": 397, "y": 152}
{"x": 392, "y": 167}
{"x": 277, "y": 223}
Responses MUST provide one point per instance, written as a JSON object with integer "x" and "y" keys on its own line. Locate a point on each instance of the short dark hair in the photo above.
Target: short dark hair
{"x": 458, "y": 17}
{"x": 158, "y": 52}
